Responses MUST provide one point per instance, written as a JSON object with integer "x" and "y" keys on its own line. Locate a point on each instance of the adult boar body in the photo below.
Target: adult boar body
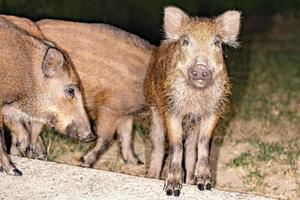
{"x": 112, "y": 65}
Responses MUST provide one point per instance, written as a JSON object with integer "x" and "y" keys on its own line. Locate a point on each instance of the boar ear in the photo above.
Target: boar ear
{"x": 229, "y": 27}
{"x": 53, "y": 62}
{"x": 173, "y": 20}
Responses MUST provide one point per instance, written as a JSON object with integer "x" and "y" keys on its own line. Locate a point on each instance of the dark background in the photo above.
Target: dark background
{"x": 144, "y": 17}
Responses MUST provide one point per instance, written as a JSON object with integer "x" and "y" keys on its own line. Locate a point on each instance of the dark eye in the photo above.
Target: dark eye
{"x": 70, "y": 91}
{"x": 185, "y": 40}
{"x": 218, "y": 42}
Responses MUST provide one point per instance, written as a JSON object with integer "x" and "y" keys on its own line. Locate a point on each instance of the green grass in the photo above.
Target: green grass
{"x": 256, "y": 163}
{"x": 244, "y": 159}
{"x": 57, "y": 144}
{"x": 256, "y": 178}
{"x": 264, "y": 152}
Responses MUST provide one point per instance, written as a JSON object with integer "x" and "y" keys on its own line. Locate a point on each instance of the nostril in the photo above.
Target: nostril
{"x": 205, "y": 74}
{"x": 194, "y": 72}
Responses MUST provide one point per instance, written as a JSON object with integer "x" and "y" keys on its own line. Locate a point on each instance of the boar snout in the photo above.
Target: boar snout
{"x": 199, "y": 72}
{"x": 200, "y": 75}
{"x": 74, "y": 130}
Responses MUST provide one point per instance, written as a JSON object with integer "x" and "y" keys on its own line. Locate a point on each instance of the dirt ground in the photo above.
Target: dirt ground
{"x": 273, "y": 178}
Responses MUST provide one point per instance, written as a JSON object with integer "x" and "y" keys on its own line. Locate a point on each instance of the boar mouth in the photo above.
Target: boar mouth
{"x": 199, "y": 84}
{"x": 89, "y": 138}
{"x": 73, "y": 131}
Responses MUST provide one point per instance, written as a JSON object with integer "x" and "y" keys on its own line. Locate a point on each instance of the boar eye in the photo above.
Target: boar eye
{"x": 70, "y": 92}
{"x": 218, "y": 42}
{"x": 184, "y": 40}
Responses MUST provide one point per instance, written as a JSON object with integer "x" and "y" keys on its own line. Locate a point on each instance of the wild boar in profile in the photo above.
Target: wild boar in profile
{"x": 112, "y": 65}
{"x": 186, "y": 88}
{"x": 38, "y": 84}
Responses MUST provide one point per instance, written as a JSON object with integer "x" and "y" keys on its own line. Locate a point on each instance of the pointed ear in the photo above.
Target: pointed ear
{"x": 173, "y": 21}
{"x": 229, "y": 26}
{"x": 53, "y": 62}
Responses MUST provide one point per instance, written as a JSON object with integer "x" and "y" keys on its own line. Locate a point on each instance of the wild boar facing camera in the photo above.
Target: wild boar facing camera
{"x": 186, "y": 89}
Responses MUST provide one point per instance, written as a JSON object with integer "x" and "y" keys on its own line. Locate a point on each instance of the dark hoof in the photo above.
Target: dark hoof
{"x": 83, "y": 164}
{"x": 81, "y": 159}
{"x": 169, "y": 192}
{"x": 16, "y": 172}
{"x": 18, "y": 144}
{"x": 200, "y": 186}
{"x": 135, "y": 161}
{"x": 208, "y": 186}
{"x": 27, "y": 151}
{"x": 42, "y": 157}
{"x": 140, "y": 162}
{"x": 176, "y": 193}
{"x": 1, "y": 169}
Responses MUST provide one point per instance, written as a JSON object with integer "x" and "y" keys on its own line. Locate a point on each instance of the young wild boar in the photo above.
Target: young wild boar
{"x": 25, "y": 135}
{"x": 187, "y": 86}
{"x": 112, "y": 65}
{"x": 38, "y": 84}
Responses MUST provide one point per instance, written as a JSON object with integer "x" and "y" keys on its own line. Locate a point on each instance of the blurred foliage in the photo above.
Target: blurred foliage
{"x": 139, "y": 16}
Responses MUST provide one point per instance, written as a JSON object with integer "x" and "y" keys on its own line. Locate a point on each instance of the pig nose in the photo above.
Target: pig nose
{"x": 199, "y": 72}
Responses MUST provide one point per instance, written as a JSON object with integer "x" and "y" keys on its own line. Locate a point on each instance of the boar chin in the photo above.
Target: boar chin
{"x": 199, "y": 84}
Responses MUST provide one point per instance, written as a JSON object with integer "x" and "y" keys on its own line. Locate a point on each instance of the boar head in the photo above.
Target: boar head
{"x": 200, "y": 57}
{"x": 61, "y": 96}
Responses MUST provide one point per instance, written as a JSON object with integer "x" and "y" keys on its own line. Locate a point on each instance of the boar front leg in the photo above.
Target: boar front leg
{"x": 5, "y": 163}
{"x": 125, "y": 134}
{"x": 157, "y": 134}
{"x": 37, "y": 147}
{"x": 190, "y": 156}
{"x": 203, "y": 173}
{"x": 174, "y": 134}
{"x": 40, "y": 149}
{"x": 106, "y": 128}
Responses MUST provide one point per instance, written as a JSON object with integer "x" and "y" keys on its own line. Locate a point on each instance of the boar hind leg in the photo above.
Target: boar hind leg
{"x": 157, "y": 134}
{"x": 5, "y": 164}
{"x": 125, "y": 134}
{"x": 106, "y": 128}
{"x": 203, "y": 173}
{"x": 20, "y": 136}
{"x": 174, "y": 132}
{"x": 190, "y": 156}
